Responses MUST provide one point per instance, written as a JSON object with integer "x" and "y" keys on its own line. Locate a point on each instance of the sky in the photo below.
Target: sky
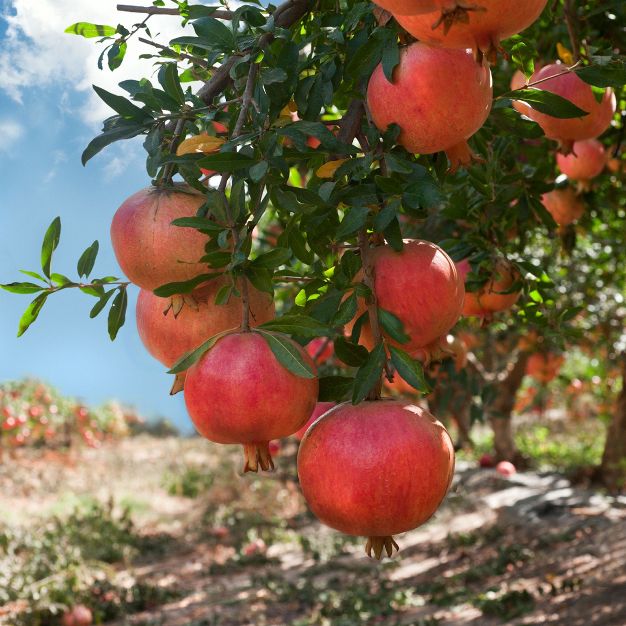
{"x": 48, "y": 114}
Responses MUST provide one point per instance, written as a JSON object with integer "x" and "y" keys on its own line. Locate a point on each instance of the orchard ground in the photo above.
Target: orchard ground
{"x": 165, "y": 531}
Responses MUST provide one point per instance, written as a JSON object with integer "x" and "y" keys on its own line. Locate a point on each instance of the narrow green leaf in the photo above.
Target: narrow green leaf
{"x": 168, "y": 78}
{"x": 187, "y": 286}
{"x": 33, "y": 275}
{"x": 31, "y": 313}
{"x": 350, "y": 353}
{"x": 547, "y": 102}
{"x": 288, "y": 353}
{"x": 87, "y": 260}
{"x": 298, "y": 325}
{"x": 226, "y": 162}
{"x": 117, "y": 313}
{"x": 215, "y": 32}
{"x": 392, "y": 326}
{"x": 108, "y": 137}
{"x": 98, "y": 306}
{"x": 272, "y": 259}
{"x": 347, "y": 311}
{"x": 335, "y": 388}
{"x": 369, "y": 374}
{"x": 410, "y": 369}
{"x": 353, "y": 220}
{"x": 22, "y": 288}
{"x": 87, "y": 30}
{"x": 121, "y": 105}
{"x": 50, "y": 243}
{"x": 187, "y": 360}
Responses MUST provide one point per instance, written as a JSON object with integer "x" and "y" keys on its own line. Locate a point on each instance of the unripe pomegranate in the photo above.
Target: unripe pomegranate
{"x": 566, "y": 84}
{"x": 375, "y": 469}
{"x": 420, "y": 286}
{"x": 167, "y": 338}
{"x": 320, "y": 409}
{"x": 491, "y": 297}
{"x": 506, "y": 469}
{"x": 564, "y": 205}
{"x": 320, "y": 349}
{"x": 409, "y": 7}
{"x": 238, "y": 392}
{"x": 586, "y": 161}
{"x": 438, "y": 97}
{"x": 150, "y": 251}
{"x": 481, "y": 29}
{"x": 544, "y": 366}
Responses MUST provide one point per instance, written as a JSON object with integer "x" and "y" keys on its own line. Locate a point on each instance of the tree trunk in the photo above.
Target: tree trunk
{"x": 500, "y": 413}
{"x": 612, "y": 471}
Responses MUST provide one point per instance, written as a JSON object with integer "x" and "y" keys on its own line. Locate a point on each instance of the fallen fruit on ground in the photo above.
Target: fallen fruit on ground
{"x": 238, "y": 392}
{"x": 439, "y": 98}
{"x": 376, "y": 469}
{"x": 506, "y": 468}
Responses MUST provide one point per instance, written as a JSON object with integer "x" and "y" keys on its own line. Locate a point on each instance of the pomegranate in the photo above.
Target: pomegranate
{"x": 80, "y": 615}
{"x": 559, "y": 80}
{"x": 167, "y": 338}
{"x": 409, "y": 7}
{"x": 438, "y": 97}
{"x": 506, "y": 469}
{"x": 150, "y": 251}
{"x": 375, "y": 469}
{"x": 586, "y": 161}
{"x": 238, "y": 392}
{"x": 544, "y": 366}
{"x": 320, "y": 409}
{"x": 564, "y": 205}
{"x": 320, "y": 349}
{"x": 518, "y": 81}
{"x": 420, "y": 286}
{"x": 486, "y": 460}
{"x": 481, "y": 28}
{"x": 490, "y": 298}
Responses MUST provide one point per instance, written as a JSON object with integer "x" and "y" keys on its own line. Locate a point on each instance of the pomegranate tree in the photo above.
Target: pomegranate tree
{"x": 480, "y": 26}
{"x": 586, "y": 161}
{"x": 238, "y": 392}
{"x": 150, "y": 251}
{"x": 376, "y": 469}
{"x": 564, "y": 205}
{"x": 439, "y": 98}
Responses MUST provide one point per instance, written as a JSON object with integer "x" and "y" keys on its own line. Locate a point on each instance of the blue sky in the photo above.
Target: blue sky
{"x": 47, "y": 116}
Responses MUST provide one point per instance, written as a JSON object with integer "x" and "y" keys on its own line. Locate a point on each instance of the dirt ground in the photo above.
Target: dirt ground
{"x": 531, "y": 549}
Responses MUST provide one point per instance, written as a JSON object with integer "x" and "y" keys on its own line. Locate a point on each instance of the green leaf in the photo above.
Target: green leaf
{"x": 33, "y": 275}
{"x": 392, "y": 326}
{"x": 168, "y": 78}
{"x": 272, "y": 259}
{"x": 125, "y": 108}
{"x": 298, "y": 325}
{"x": 612, "y": 74}
{"x": 390, "y": 58}
{"x": 98, "y": 306}
{"x": 116, "y": 55}
{"x": 354, "y": 220}
{"x": 226, "y": 162}
{"x": 110, "y": 136}
{"x": 22, "y": 288}
{"x": 369, "y": 374}
{"x": 215, "y": 32}
{"x": 117, "y": 313}
{"x": 547, "y": 102}
{"x": 87, "y": 30}
{"x": 334, "y": 388}
{"x": 61, "y": 280}
{"x": 87, "y": 260}
{"x": 410, "y": 369}
{"x": 187, "y": 286}
{"x": 288, "y": 354}
{"x": 187, "y": 360}
{"x": 350, "y": 353}
{"x": 50, "y": 243}
{"x": 199, "y": 223}
{"x": 347, "y": 311}
{"x": 31, "y": 313}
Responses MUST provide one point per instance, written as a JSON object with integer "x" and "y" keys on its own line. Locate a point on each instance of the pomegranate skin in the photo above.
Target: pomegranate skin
{"x": 569, "y": 86}
{"x": 422, "y": 287}
{"x": 238, "y": 392}
{"x": 320, "y": 409}
{"x": 564, "y": 205}
{"x": 586, "y": 161}
{"x": 376, "y": 469}
{"x": 167, "y": 338}
{"x": 408, "y": 7}
{"x": 439, "y": 98}
{"x": 544, "y": 366}
{"x": 481, "y": 30}
{"x": 150, "y": 251}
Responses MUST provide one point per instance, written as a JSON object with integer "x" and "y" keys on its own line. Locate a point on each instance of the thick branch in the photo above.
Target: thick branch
{"x": 218, "y": 82}
{"x": 128, "y": 8}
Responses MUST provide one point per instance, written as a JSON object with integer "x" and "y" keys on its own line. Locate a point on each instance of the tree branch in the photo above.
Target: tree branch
{"x": 179, "y": 55}
{"x": 570, "y": 20}
{"x": 220, "y": 14}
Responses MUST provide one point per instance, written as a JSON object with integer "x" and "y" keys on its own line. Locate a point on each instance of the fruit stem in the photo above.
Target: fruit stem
{"x": 378, "y": 544}
{"x": 372, "y": 306}
{"x": 257, "y": 455}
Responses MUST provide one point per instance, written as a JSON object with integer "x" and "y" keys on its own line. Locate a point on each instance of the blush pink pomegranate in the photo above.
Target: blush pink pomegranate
{"x": 375, "y": 470}
{"x": 409, "y": 7}
{"x": 238, "y": 392}
{"x": 481, "y": 29}
{"x": 439, "y": 98}
{"x": 150, "y": 251}
{"x": 586, "y": 160}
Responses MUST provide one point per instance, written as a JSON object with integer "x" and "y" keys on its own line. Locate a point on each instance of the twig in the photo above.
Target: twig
{"x": 166, "y": 176}
{"x": 570, "y": 20}
{"x": 218, "y": 82}
{"x": 180, "y": 55}
{"x": 220, "y": 14}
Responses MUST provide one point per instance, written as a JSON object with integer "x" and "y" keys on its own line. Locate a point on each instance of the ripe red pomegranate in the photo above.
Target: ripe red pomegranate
{"x": 564, "y": 205}
{"x": 238, "y": 392}
{"x": 320, "y": 409}
{"x": 80, "y": 615}
{"x": 320, "y": 349}
{"x": 586, "y": 161}
{"x": 150, "y": 251}
{"x": 506, "y": 469}
{"x": 490, "y": 299}
{"x": 375, "y": 469}
{"x": 420, "y": 286}
{"x": 481, "y": 29}
{"x": 486, "y": 460}
{"x": 544, "y": 366}
{"x": 566, "y": 84}
{"x": 438, "y": 97}
{"x": 409, "y": 7}
{"x": 167, "y": 338}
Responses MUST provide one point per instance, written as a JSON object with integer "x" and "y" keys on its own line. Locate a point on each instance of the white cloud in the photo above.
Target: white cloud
{"x": 10, "y": 133}
{"x": 37, "y": 53}
{"x": 58, "y": 157}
